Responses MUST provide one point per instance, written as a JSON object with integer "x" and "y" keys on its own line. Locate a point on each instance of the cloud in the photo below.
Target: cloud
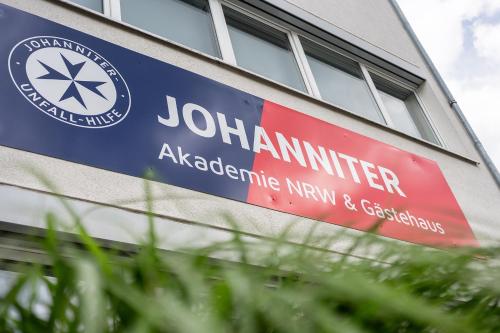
{"x": 439, "y": 26}
{"x": 462, "y": 39}
{"x": 479, "y": 101}
{"x": 487, "y": 41}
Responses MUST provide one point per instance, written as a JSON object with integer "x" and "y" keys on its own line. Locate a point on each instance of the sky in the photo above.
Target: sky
{"x": 462, "y": 37}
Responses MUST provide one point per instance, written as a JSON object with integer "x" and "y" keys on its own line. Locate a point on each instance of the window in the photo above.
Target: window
{"x": 403, "y": 109}
{"x": 6, "y": 280}
{"x": 187, "y": 22}
{"x": 263, "y": 49}
{"x": 35, "y": 294}
{"x": 340, "y": 81}
{"x": 266, "y": 46}
{"x": 91, "y": 4}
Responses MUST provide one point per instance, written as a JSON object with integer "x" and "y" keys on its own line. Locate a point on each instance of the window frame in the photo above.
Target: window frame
{"x": 112, "y": 10}
{"x": 295, "y": 46}
{"x": 115, "y": 13}
{"x": 413, "y": 90}
{"x": 364, "y": 73}
{"x": 312, "y": 88}
{"x": 105, "y": 7}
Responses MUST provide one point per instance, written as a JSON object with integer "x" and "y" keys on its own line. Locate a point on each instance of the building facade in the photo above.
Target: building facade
{"x": 316, "y": 70}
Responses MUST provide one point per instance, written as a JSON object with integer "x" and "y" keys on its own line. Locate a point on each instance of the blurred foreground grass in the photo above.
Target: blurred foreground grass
{"x": 269, "y": 287}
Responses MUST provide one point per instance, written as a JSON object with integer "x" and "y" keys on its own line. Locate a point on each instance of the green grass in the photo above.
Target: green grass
{"x": 271, "y": 286}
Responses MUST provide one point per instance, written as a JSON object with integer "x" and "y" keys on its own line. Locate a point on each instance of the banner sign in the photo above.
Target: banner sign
{"x": 72, "y": 96}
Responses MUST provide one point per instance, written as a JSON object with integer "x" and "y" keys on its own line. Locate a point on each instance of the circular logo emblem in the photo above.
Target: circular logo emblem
{"x": 69, "y": 82}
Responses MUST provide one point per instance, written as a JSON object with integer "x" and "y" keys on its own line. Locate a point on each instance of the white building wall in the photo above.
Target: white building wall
{"x": 373, "y": 21}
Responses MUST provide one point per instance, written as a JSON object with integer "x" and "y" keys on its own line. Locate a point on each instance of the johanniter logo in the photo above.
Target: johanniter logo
{"x": 69, "y": 82}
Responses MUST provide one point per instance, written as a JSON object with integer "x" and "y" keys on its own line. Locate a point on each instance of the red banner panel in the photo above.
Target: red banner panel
{"x": 328, "y": 173}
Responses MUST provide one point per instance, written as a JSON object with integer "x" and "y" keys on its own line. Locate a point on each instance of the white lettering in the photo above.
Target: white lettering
{"x": 314, "y": 157}
{"x": 173, "y": 113}
{"x": 350, "y": 163}
{"x": 285, "y": 147}
{"x": 239, "y": 131}
{"x": 391, "y": 181}
{"x": 167, "y": 152}
{"x": 187, "y": 113}
{"x": 260, "y": 134}
{"x": 370, "y": 176}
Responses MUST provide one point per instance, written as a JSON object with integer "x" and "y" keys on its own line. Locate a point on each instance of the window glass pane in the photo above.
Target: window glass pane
{"x": 404, "y": 109}
{"x": 183, "y": 21}
{"x": 91, "y": 4}
{"x": 263, "y": 50}
{"x": 347, "y": 90}
{"x": 420, "y": 120}
{"x": 340, "y": 81}
{"x": 6, "y": 280}
{"x": 35, "y": 294}
{"x": 399, "y": 114}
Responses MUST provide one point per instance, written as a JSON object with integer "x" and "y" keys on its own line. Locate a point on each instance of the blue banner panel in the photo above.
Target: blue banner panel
{"x": 72, "y": 96}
